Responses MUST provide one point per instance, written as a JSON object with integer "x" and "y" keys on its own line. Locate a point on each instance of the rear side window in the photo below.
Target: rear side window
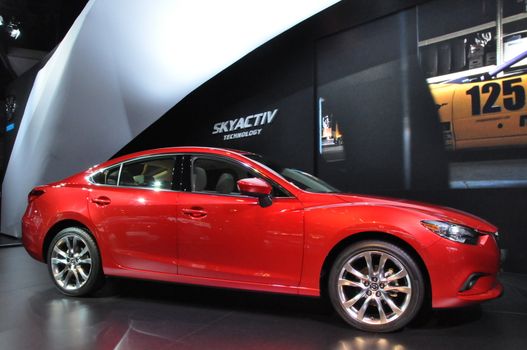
{"x": 152, "y": 173}
{"x": 107, "y": 177}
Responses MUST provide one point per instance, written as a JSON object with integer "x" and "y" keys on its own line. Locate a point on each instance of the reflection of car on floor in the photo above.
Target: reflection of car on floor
{"x": 231, "y": 219}
{"x": 484, "y": 111}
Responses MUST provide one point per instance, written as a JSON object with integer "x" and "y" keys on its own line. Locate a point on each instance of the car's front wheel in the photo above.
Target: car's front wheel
{"x": 376, "y": 286}
{"x": 74, "y": 262}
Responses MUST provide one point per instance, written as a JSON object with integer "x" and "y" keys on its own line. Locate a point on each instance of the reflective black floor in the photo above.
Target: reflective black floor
{"x": 146, "y": 315}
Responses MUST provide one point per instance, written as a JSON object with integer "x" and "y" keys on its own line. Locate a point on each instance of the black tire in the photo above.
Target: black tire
{"x": 406, "y": 293}
{"x": 83, "y": 259}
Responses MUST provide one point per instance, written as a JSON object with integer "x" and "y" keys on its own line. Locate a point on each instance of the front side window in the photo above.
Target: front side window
{"x": 153, "y": 173}
{"x": 217, "y": 176}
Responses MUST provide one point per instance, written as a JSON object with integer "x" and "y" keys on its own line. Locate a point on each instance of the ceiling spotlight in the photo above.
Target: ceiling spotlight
{"x": 1, "y": 21}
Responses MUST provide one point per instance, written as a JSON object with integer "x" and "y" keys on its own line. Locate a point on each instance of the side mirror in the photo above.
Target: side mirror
{"x": 255, "y": 187}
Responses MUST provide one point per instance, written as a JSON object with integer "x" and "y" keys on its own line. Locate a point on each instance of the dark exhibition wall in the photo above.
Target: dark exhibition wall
{"x": 369, "y": 96}
{"x": 18, "y": 91}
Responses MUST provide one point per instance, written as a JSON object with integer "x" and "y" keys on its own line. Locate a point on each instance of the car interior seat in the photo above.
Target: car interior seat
{"x": 225, "y": 184}
{"x": 199, "y": 179}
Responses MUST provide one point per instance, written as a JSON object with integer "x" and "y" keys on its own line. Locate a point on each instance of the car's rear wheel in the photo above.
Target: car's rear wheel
{"x": 376, "y": 286}
{"x": 74, "y": 262}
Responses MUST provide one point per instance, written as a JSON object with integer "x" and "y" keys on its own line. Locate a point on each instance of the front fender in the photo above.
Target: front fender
{"x": 327, "y": 226}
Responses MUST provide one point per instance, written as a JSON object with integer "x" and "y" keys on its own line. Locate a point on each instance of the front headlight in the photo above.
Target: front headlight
{"x": 453, "y": 232}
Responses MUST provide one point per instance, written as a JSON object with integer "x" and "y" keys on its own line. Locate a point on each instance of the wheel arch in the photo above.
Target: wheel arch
{"x": 373, "y": 235}
{"x": 59, "y": 226}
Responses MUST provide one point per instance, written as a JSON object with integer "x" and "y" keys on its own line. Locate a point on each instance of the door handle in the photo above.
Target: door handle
{"x": 102, "y": 201}
{"x": 195, "y": 213}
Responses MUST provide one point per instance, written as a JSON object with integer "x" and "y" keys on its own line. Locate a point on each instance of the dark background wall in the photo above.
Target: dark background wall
{"x": 42, "y": 24}
{"x": 372, "y": 85}
{"x": 19, "y": 89}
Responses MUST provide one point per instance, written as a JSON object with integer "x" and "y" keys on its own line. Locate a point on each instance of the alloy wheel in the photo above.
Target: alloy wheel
{"x": 71, "y": 262}
{"x": 374, "y": 287}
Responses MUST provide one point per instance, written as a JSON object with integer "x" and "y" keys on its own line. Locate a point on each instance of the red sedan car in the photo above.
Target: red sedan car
{"x": 229, "y": 219}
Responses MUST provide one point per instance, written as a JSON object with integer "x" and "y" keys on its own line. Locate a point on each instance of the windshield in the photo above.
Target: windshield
{"x": 297, "y": 177}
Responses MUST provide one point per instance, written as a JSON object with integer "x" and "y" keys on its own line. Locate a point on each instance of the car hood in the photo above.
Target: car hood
{"x": 430, "y": 211}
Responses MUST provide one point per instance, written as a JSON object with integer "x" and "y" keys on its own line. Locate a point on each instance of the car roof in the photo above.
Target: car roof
{"x": 179, "y": 149}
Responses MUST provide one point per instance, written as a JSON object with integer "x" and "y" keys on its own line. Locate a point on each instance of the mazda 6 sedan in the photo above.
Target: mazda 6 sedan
{"x": 231, "y": 219}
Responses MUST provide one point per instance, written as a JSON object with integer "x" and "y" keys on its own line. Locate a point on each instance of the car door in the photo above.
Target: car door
{"x": 134, "y": 209}
{"x": 229, "y": 236}
{"x": 491, "y": 113}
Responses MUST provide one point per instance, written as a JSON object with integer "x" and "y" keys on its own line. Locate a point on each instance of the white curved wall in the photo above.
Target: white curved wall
{"x": 123, "y": 64}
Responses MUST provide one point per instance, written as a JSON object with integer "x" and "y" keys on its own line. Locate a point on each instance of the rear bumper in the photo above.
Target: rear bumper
{"x": 31, "y": 239}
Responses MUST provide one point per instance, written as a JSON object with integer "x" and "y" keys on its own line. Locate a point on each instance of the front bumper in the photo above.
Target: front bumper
{"x": 462, "y": 274}
{"x": 485, "y": 289}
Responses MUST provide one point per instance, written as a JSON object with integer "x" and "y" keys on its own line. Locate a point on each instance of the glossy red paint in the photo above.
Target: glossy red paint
{"x": 231, "y": 241}
{"x": 254, "y": 186}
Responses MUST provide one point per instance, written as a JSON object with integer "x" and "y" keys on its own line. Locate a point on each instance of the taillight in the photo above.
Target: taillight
{"x": 34, "y": 194}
